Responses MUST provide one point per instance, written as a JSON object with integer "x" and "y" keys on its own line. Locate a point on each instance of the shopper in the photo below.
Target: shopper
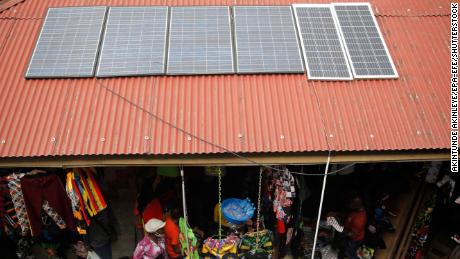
{"x": 152, "y": 246}
{"x": 171, "y": 229}
{"x": 355, "y": 223}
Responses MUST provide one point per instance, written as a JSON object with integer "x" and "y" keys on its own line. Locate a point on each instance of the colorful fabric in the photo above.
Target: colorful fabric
{"x": 249, "y": 244}
{"x": 147, "y": 249}
{"x": 220, "y": 247}
{"x": 85, "y": 195}
{"x": 283, "y": 188}
{"x": 191, "y": 251}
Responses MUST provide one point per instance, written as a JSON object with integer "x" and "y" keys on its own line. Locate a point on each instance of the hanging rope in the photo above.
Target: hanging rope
{"x": 258, "y": 208}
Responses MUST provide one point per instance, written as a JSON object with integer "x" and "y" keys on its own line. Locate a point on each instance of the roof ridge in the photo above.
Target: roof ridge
{"x": 7, "y": 5}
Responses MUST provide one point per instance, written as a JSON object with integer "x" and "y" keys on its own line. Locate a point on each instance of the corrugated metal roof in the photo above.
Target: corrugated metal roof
{"x": 240, "y": 113}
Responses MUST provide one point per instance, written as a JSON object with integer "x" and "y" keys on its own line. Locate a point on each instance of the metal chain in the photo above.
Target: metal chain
{"x": 220, "y": 203}
{"x": 258, "y": 208}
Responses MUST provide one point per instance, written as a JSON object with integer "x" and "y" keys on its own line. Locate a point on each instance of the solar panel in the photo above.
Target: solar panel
{"x": 266, "y": 40}
{"x": 200, "y": 40}
{"x": 364, "y": 42}
{"x": 134, "y": 41}
{"x": 322, "y": 47}
{"x": 68, "y": 43}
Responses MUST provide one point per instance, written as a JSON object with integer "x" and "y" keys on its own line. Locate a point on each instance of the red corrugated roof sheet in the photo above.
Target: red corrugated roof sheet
{"x": 241, "y": 113}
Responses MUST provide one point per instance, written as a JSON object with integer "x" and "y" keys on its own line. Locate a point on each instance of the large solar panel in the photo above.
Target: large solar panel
{"x": 200, "y": 40}
{"x": 321, "y": 43}
{"x": 364, "y": 42}
{"x": 134, "y": 41}
{"x": 68, "y": 43}
{"x": 266, "y": 40}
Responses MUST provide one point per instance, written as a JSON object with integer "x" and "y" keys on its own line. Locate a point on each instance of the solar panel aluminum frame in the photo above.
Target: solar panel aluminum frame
{"x": 396, "y": 75}
{"x": 96, "y": 57}
{"x": 298, "y": 38}
{"x": 297, "y": 24}
{"x": 231, "y": 42}
{"x": 134, "y": 74}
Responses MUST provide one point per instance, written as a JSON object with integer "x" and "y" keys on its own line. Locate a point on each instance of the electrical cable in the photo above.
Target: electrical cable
{"x": 98, "y": 81}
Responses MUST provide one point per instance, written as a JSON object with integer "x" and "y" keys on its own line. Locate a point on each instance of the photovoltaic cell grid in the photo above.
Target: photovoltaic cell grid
{"x": 68, "y": 43}
{"x": 266, "y": 40}
{"x": 200, "y": 40}
{"x": 134, "y": 41}
{"x": 323, "y": 50}
{"x": 364, "y": 42}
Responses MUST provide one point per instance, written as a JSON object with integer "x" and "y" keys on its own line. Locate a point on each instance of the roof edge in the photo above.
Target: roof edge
{"x": 229, "y": 160}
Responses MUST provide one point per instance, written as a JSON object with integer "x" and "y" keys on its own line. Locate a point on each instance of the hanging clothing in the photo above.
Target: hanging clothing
{"x": 85, "y": 195}
{"x": 38, "y": 188}
{"x": 283, "y": 192}
{"x": 17, "y": 197}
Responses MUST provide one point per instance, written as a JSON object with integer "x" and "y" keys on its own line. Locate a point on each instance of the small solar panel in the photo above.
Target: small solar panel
{"x": 266, "y": 40}
{"x": 134, "y": 41}
{"x": 68, "y": 43}
{"x": 364, "y": 42}
{"x": 200, "y": 40}
{"x": 323, "y": 49}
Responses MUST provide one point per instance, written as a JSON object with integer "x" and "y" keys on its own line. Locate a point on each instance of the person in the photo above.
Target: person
{"x": 171, "y": 229}
{"x": 152, "y": 246}
{"x": 354, "y": 227}
{"x": 103, "y": 230}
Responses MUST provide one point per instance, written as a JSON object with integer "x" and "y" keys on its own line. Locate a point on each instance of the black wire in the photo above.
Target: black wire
{"x": 207, "y": 141}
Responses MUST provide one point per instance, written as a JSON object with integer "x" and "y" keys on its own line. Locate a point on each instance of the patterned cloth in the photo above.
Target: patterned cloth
{"x": 14, "y": 185}
{"x": 85, "y": 194}
{"x": 283, "y": 188}
{"x": 147, "y": 249}
{"x": 53, "y": 215}
{"x": 17, "y": 197}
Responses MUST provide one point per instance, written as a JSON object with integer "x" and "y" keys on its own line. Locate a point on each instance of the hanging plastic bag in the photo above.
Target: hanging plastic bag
{"x": 237, "y": 211}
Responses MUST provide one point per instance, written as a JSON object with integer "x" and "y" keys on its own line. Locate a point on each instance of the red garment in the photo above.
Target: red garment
{"x": 280, "y": 227}
{"x": 35, "y": 189}
{"x": 172, "y": 237}
{"x": 153, "y": 210}
{"x": 356, "y": 223}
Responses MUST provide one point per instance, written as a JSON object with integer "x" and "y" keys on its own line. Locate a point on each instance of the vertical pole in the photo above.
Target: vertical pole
{"x": 321, "y": 205}
{"x": 184, "y": 206}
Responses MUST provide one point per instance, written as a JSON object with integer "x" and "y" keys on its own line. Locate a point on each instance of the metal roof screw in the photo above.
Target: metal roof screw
{"x": 282, "y": 137}
{"x": 189, "y": 138}
{"x": 146, "y": 137}
{"x": 372, "y": 136}
{"x": 331, "y": 135}
{"x": 102, "y": 139}
{"x": 240, "y": 135}
{"x": 53, "y": 139}
{"x": 419, "y": 132}
{"x": 3, "y": 141}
